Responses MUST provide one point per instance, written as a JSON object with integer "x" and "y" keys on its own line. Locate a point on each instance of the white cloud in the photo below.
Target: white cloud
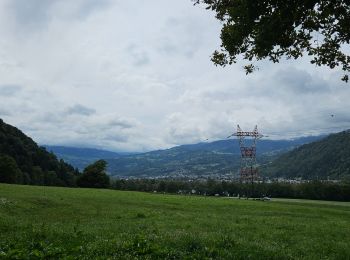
{"x": 136, "y": 75}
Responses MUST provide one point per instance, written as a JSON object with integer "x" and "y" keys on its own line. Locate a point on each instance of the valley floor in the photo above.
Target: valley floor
{"x": 48, "y": 222}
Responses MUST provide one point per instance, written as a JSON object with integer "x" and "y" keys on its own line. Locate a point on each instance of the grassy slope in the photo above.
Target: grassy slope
{"x": 85, "y": 223}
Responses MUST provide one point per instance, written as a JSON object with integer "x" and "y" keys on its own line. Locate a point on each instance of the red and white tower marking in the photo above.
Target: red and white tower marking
{"x": 249, "y": 169}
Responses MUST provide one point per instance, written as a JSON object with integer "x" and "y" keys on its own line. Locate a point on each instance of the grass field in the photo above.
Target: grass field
{"x": 47, "y": 222}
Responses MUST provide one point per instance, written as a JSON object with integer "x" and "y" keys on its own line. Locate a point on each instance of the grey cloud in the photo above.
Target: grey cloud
{"x": 145, "y": 65}
{"x": 5, "y": 112}
{"x": 31, "y": 14}
{"x": 51, "y": 118}
{"x": 300, "y": 81}
{"x": 9, "y": 90}
{"x": 186, "y": 38}
{"x": 172, "y": 22}
{"x": 116, "y": 138}
{"x": 138, "y": 56}
{"x": 169, "y": 48}
{"x": 37, "y": 14}
{"x": 89, "y": 6}
{"x": 121, "y": 123}
{"x": 80, "y": 110}
{"x": 141, "y": 59}
{"x": 178, "y": 135}
{"x": 339, "y": 117}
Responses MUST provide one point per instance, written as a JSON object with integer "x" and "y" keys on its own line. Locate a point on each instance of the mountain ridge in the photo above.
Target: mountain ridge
{"x": 323, "y": 159}
{"x": 219, "y": 159}
{"x": 81, "y": 157}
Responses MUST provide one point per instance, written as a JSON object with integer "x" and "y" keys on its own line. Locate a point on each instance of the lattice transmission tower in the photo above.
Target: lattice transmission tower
{"x": 249, "y": 169}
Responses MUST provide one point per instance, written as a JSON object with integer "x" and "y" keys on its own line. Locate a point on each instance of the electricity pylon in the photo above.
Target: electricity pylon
{"x": 249, "y": 170}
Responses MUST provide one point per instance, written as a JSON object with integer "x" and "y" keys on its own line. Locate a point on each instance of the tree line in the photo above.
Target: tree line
{"x": 93, "y": 176}
{"x": 311, "y": 190}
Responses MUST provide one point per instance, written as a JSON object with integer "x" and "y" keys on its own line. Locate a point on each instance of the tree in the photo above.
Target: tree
{"x": 37, "y": 166}
{"x": 94, "y": 176}
{"x": 273, "y": 29}
{"x": 37, "y": 176}
{"x": 9, "y": 171}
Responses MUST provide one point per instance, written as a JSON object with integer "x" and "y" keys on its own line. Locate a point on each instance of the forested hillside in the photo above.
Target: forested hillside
{"x": 327, "y": 158}
{"x": 23, "y": 161}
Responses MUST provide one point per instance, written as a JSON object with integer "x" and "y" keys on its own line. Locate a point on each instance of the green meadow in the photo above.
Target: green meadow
{"x": 72, "y": 223}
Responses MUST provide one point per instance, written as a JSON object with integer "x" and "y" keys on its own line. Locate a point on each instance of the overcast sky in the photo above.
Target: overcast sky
{"x": 136, "y": 75}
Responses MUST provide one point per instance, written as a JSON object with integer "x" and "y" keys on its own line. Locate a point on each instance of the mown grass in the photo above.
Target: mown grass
{"x": 47, "y": 222}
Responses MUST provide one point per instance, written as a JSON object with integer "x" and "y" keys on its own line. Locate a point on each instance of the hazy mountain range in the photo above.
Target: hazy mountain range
{"x": 316, "y": 157}
{"x": 81, "y": 157}
{"x": 212, "y": 159}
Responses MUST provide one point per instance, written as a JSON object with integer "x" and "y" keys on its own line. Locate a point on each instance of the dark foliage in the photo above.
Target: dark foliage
{"x": 9, "y": 171}
{"x": 272, "y": 29}
{"x": 94, "y": 176}
{"x": 310, "y": 190}
{"x": 328, "y": 158}
{"x": 29, "y": 163}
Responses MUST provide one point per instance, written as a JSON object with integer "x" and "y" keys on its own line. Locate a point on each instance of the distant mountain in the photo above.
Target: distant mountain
{"x": 215, "y": 159}
{"x": 23, "y": 161}
{"x": 326, "y": 158}
{"x": 81, "y": 157}
{"x": 232, "y": 147}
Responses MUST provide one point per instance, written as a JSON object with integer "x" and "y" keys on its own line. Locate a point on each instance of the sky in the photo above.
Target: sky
{"x": 136, "y": 76}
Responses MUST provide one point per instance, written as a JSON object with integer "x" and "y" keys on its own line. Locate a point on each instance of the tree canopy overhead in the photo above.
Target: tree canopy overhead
{"x": 272, "y": 29}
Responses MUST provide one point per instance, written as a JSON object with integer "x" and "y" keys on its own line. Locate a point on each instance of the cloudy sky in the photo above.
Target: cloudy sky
{"x": 136, "y": 75}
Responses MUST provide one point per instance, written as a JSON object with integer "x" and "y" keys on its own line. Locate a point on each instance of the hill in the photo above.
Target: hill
{"x": 81, "y": 157}
{"x": 327, "y": 158}
{"x": 23, "y": 161}
{"x": 62, "y": 223}
{"x": 219, "y": 159}
{"x": 232, "y": 147}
